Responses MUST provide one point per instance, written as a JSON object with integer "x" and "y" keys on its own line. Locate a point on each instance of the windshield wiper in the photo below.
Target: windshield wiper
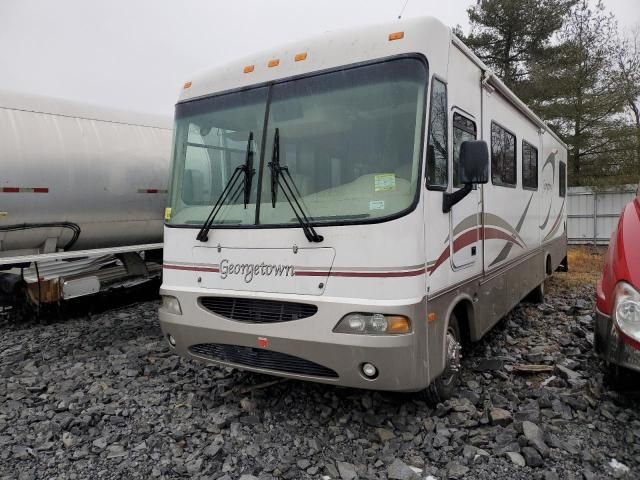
{"x": 248, "y": 171}
{"x": 280, "y": 176}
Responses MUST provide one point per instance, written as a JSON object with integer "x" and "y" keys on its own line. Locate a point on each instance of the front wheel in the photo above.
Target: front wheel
{"x": 446, "y": 384}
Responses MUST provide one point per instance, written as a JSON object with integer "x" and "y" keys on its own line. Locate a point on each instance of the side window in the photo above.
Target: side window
{"x": 437, "y": 148}
{"x": 503, "y": 156}
{"x": 463, "y": 129}
{"x": 529, "y": 166}
{"x": 563, "y": 179}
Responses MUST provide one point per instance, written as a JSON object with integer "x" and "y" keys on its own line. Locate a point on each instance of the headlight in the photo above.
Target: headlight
{"x": 373, "y": 324}
{"x": 171, "y": 304}
{"x": 626, "y": 310}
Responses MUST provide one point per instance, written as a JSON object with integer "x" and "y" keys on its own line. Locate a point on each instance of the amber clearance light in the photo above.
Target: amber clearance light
{"x": 396, "y": 36}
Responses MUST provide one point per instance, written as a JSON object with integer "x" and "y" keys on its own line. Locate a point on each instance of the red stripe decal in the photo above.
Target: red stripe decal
{"x": 24, "y": 190}
{"x": 495, "y": 234}
{"x": 191, "y": 268}
{"x": 470, "y": 237}
{"x": 411, "y": 273}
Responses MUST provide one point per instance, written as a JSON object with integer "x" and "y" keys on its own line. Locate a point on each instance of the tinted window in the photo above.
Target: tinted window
{"x": 563, "y": 179}
{"x": 503, "y": 156}
{"x": 464, "y": 129}
{"x": 529, "y": 166}
{"x": 437, "y": 151}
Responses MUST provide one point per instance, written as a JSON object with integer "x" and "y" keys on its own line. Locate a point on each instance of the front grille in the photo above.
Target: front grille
{"x": 257, "y": 311}
{"x": 259, "y": 358}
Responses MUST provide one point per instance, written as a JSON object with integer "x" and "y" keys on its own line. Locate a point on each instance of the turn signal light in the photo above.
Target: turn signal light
{"x": 397, "y": 324}
{"x": 396, "y": 36}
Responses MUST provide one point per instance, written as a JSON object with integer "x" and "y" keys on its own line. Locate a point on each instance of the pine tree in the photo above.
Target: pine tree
{"x": 577, "y": 91}
{"x": 511, "y": 35}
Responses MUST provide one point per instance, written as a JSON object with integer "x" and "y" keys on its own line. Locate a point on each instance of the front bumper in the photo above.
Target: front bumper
{"x": 401, "y": 360}
{"x": 610, "y": 344}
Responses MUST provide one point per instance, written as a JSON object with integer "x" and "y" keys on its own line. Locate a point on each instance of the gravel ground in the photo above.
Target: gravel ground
{"x": 103, "y": 397}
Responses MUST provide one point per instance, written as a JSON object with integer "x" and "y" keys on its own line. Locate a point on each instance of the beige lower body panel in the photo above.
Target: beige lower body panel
{"x": 401, "y": 360}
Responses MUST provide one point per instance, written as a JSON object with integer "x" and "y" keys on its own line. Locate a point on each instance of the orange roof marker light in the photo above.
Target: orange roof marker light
{"x": 249, "y": 68}
{"x": 396, "y": 36}
{"x": 186, "y": 85}
{"x": 301, "y": 57}
{"x": 273, "y": 63}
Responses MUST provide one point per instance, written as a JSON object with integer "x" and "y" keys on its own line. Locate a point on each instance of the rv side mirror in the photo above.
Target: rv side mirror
{"x": 474, "y": 162}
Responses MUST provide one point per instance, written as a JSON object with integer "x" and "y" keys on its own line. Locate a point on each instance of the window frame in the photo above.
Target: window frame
{"x": 524, "y": 187}
{"x": 515, "y": 156}
{"x": 466, "y": 116}
{"x": 445, "y": 187}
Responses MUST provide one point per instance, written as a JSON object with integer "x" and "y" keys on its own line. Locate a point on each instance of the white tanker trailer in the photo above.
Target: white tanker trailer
{"x": 82, "y": 194}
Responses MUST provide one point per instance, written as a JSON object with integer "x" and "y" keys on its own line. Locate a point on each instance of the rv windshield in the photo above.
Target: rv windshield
{"x": 351, "y": 140}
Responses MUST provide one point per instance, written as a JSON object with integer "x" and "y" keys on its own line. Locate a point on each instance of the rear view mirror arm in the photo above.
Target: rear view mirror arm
{"x": 450, "y": 199}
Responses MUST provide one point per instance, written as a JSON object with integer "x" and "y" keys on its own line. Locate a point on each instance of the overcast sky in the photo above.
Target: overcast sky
{"x": 136, "y": 54}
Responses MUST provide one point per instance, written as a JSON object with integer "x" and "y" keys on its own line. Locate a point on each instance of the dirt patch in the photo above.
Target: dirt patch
{"x": 585, "y": 268}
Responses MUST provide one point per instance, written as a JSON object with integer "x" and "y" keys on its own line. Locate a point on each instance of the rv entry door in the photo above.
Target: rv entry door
{"x": 465, "y": 219}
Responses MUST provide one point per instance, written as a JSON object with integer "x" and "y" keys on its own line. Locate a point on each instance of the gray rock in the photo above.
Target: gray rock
{"x": 573, "y": 378}
{"x": 116, "y": 451}
{"x": 100, "y": 443}
{"x": 532, "y": 457}
{"x": 347, "y": 471}
{"x": 456, "y": 471}
{"x": 516, "y": 458}
{"x": 399, "y": 470}
{"x": 499, "y": 416}
{"x": 384, "y": 434}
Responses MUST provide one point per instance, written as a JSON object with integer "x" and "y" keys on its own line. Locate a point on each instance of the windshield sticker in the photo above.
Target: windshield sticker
{"x": 385, "y": 182}
{"x": 167, "y": 214}
{"x": 376, "y": 205}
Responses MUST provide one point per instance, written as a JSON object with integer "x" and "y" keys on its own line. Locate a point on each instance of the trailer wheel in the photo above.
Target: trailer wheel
{"x": 446, "y": 384}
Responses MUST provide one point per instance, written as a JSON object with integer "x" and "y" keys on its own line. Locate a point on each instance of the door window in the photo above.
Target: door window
{"x": 464, "y": 129}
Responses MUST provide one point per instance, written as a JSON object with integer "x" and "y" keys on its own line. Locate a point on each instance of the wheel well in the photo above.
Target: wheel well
{"x": 464, "y": 313}
{"x": 548, "y": 267}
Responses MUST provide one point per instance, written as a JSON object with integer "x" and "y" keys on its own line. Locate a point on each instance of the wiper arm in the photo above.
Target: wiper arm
{"x": 280, "y": 176}
{"x": 248, "y": 171}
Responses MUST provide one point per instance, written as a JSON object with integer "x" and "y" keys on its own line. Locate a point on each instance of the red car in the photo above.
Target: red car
{"x": 617, "y": 332}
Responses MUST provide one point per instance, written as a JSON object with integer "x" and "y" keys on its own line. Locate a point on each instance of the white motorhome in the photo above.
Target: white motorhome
{"x": 351, "y": 208}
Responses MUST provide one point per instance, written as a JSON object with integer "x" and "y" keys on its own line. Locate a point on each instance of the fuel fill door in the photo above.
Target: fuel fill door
{"x": 302, "y": 271}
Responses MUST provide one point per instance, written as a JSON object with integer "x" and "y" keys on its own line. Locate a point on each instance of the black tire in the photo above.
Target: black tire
{"x": 619, "y": 378}
{"x": 537, "y": 294}
{"x": 445, "y": 386}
